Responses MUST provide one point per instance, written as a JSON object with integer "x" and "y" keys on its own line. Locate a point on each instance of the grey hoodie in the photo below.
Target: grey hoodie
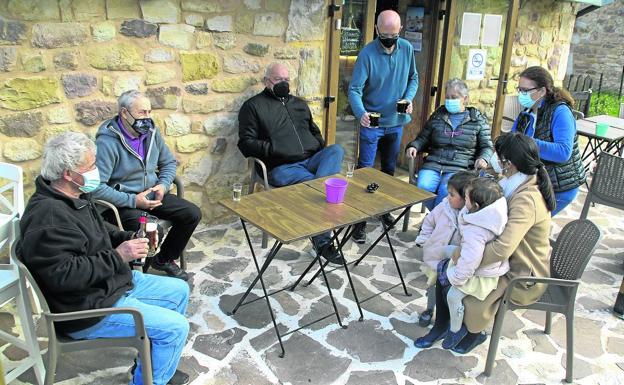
{"x": 123, "y": 173}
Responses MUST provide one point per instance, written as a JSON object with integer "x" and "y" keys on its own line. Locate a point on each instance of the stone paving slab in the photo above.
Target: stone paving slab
{"x": 242, "y": 349}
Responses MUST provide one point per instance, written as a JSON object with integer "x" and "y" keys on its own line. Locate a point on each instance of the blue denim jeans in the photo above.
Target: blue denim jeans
{"x": 162, "y": 301}
{"x": 387, "y": 139}
{"x": 433, "y": 181}
{"x": 326, "y": 162}
{"x": 563, "y": 199}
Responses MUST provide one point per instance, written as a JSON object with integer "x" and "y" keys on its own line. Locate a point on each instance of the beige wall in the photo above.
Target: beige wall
{"x": 64, "y": 62}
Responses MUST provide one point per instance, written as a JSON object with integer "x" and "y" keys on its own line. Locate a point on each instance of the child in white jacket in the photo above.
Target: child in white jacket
{"x": 438, "y": 231}
{"x": 482, "y": 219}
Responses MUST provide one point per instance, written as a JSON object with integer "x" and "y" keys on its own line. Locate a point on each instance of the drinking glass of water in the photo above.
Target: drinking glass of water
{"x": 350, "y": 169}
{"x": 237, "y": 191}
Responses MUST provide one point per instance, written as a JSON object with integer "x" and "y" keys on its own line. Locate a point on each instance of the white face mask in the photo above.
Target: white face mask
{"x": 90, "y": 180}
{"x": 496, "y": 166}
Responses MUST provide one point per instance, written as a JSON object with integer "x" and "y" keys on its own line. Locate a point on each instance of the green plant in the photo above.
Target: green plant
{"x": 606, "y": 103}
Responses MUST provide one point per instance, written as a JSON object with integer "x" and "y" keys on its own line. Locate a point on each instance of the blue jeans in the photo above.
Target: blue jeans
{"x": 326, "y": 162}
{"x": 162, "y": 301}
{"x": 387, "y": 139}
{"x": 563, "y": 199}
{"x": 434, "y": 182}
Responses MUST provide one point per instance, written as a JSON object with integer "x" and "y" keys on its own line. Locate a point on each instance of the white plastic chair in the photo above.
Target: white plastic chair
{"x": 12, "y": 175}
{"x": 12, "y": 286}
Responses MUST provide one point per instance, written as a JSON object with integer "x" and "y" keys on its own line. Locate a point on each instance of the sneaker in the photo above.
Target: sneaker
{"x": 387, "y": 219}
{"x": 179, "y": 378}
{"x": 452, "y": 339}
{"x": 425, "y": 318}
{"x": 330, "y": 253}
{"x": 359, "y": 233}
{"x": 170, "y": 267}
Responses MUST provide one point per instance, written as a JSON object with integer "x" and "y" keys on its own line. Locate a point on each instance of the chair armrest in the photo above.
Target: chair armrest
{"x": 114, "y": 210}
{"x": 179, "y": 187}
{"x": 265, "y": 174}
{"x": 84, "y": 314}
{"x": 411, "y": 166}
{"x": 551, "y": 281}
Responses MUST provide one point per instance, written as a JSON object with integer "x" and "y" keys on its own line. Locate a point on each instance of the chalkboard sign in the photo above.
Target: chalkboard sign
{"x": 349, "y": 41}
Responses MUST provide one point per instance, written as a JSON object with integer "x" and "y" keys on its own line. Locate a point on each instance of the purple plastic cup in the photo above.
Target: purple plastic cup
{"x": 335, "y": 189}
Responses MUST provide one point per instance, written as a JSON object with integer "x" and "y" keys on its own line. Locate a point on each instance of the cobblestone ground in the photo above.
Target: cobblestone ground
{"x": 243, "y": 349}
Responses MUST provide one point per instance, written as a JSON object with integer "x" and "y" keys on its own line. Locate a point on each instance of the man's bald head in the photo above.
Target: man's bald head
{"x": 275, "y": 73}
{"x": 389, "y": 20}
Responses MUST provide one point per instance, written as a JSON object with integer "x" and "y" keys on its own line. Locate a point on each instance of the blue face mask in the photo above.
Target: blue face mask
{"x": 453, "y": 106}
{"x": 526, "y": 100}
{"x": 91, "y": 180}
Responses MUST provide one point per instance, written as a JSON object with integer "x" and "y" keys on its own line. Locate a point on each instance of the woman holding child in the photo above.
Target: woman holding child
{"x": 456, "y": 137}
{"x": 523, "y": 245}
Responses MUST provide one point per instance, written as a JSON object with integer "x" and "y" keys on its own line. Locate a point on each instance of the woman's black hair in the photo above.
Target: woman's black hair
{"x": 542, "y": 78}
{"x": 484, "y": 192}
{"x": 523, "y": 153}
{"x": 460, "y": 180}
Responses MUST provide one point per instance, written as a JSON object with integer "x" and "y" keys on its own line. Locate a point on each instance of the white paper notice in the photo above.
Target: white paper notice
{"x": 476, "y": 64}
{"x": 491, "y": 30}
{"x": 470, "y": 29}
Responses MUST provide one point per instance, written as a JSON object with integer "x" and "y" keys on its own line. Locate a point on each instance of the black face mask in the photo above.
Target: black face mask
{"x": 388, "y": 42}
{"x": 142, "y": 126}
{"x": 281, "y": 89}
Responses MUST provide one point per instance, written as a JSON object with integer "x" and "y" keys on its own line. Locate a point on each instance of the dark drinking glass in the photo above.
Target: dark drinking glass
{"x": 374, "y": 119}
{"x": 402, "y": 106}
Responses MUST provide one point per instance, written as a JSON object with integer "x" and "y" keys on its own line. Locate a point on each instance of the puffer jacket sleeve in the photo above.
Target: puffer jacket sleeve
{"x": 485, "y": 148}
{"x": 473, "y": 243}
{"x": 423, "y": 139}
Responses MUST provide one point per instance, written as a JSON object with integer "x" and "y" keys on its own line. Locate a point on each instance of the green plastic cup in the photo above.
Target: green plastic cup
{"x": 601, "y": 129}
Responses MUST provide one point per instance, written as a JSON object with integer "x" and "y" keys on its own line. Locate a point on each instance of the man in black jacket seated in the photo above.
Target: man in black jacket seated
{"x": 81, "y": 264}
{"x": 278, "y": 129}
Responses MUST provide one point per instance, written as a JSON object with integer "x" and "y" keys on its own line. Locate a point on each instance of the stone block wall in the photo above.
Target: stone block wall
{"x": 64, "y": 62}
{"x": 597, "y": 45}
{"x": 542, "y": 37}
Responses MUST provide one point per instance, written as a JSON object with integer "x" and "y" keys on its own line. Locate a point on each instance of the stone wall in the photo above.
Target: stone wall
{"x": 597, "y": 45}
{"x": 542, "y": 37}
{"x": 64, "y": 62}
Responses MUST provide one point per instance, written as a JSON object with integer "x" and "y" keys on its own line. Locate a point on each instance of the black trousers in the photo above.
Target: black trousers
{"x": 184, "y": 216}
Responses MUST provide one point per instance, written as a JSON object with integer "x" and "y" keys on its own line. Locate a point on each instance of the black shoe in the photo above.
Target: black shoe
{"x": 387, "y": 219}
{"x": 425, "y": 318}
{"x": 452, "y": 339}
{"x": 470, "y": 342}
{"x": 179, "y": 378}
{"x": 170, "y": 267}
{"x": 430, "y": 338}
{"x": 330, "y": 253}
{"x": 359, "y": 233}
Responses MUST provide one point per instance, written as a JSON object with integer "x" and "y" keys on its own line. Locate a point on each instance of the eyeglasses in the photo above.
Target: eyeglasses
{"x": 526, "y": 91}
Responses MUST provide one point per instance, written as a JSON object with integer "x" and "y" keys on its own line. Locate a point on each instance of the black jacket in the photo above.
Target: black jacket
{"x": 70, "y": 252}
{"x": 454, "y": 153}
{"x": 277, "y": 131}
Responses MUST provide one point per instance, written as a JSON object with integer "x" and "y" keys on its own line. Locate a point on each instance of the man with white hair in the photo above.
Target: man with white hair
{"x": 81, "y": 263}
{"x": 384, "y": 73}
{"x": 278, "y": 129}
{"x": 130, "y": 152}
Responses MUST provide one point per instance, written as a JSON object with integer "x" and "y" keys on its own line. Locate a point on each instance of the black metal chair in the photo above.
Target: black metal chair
{"x": 607, "y": 186}
{"x": 60, "y": 343}
{"x": 164, "y": 224}
{"x": 571, "y": 252}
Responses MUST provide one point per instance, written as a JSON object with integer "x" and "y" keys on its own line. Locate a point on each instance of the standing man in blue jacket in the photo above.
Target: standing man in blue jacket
{"x": 130, "y": 149}
{"x": 384, "y": 72}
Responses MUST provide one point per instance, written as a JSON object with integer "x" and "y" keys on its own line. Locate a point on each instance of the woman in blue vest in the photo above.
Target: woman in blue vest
{"x": 547, "y": 118}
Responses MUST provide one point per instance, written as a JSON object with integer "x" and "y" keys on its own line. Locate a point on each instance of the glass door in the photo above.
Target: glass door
{"x": 352, "y": 27}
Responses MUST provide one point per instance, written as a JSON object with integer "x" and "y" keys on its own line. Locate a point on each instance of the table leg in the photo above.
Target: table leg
{"x": 276, "y": 246}
{"x": 396, "y": 262}
{"x": 314, "y": 261}
{"x": 270, "y": 257}
{"x": 383, "y": 234}
{"x": 331, "y": 296}
{"x": 344, "y": 264}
